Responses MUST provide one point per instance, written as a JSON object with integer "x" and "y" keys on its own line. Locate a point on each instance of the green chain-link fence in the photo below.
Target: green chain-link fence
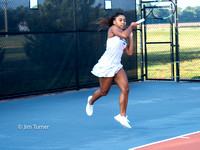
{"x": 54, "y": 47}
{"x": 159, "y": 61}
{"x": 189, "y": 37}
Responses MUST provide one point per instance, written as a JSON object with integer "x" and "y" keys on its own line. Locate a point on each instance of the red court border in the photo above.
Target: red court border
{"x": 189, "y": 141}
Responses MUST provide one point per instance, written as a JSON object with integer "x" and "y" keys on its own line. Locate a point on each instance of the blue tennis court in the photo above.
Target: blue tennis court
{"x": 157, "y": 111}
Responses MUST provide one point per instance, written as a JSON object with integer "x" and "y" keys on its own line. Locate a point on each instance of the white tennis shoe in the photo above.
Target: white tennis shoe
{"x": 89, "y": 108}
{"x": 123, "y": 121}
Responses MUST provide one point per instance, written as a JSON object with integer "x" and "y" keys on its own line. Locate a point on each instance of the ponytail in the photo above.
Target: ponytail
{"x": 107, "y": 22}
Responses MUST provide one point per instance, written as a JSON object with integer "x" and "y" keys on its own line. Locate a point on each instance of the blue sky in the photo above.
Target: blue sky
{"x": 185, "y": 3}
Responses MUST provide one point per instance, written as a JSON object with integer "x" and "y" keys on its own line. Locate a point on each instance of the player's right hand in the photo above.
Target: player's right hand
{"x": 134, "y": 25}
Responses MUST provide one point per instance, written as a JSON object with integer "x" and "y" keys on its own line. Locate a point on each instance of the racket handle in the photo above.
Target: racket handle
{"x": 140, "y": 21}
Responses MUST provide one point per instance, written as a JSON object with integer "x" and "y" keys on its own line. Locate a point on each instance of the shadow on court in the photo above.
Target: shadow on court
{"x": 157, "y": 111}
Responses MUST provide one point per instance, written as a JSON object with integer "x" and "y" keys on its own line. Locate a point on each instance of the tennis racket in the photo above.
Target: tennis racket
{"x": 140, "y": 21}
{"x": 162, "y": 9}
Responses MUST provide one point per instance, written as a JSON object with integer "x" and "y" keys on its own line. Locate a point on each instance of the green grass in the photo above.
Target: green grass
{"x": 13, "y": 41}
{"x": 159, "y": 55}
{"x": 13, "y": 46}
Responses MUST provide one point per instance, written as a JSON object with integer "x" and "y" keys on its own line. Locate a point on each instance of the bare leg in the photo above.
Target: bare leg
{"x": 122, "y": 81}
{"x": 105, "y": 84}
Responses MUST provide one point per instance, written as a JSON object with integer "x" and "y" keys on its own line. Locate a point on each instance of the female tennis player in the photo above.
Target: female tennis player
{"x": 109, "y": 66}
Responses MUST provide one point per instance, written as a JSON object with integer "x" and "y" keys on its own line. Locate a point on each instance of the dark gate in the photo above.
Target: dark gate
{"x": 159, "y": 45}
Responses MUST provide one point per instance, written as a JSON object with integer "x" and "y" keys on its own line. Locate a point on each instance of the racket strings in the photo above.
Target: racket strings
{"x": 161, "y": 10}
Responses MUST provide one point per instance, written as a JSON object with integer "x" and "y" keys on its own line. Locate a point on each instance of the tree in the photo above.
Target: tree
{"x": 197, "y": 12}
{"x": 50, "y": 50}
{"x": 188, "y": 14}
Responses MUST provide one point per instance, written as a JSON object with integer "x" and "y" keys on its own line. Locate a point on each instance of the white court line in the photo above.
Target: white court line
{"x": 181, "y": 136}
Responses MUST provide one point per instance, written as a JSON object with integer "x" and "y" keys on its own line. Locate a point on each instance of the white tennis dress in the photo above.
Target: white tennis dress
{"x": 110, "y": 62}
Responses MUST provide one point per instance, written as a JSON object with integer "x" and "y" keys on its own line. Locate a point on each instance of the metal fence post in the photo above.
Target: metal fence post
{"x": 145, "y": 44}
{"x": 76, "y": 49}
{"x": 172, "y": 45}
{"x": 176, "y": 42}
{"x": 141, "y": 42}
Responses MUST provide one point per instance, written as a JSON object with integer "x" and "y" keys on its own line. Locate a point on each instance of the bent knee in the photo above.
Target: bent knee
{"x": 125, "y": 89}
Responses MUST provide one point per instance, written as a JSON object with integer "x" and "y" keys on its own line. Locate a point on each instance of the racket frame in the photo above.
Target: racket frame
{"x": 172, "y": 5}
